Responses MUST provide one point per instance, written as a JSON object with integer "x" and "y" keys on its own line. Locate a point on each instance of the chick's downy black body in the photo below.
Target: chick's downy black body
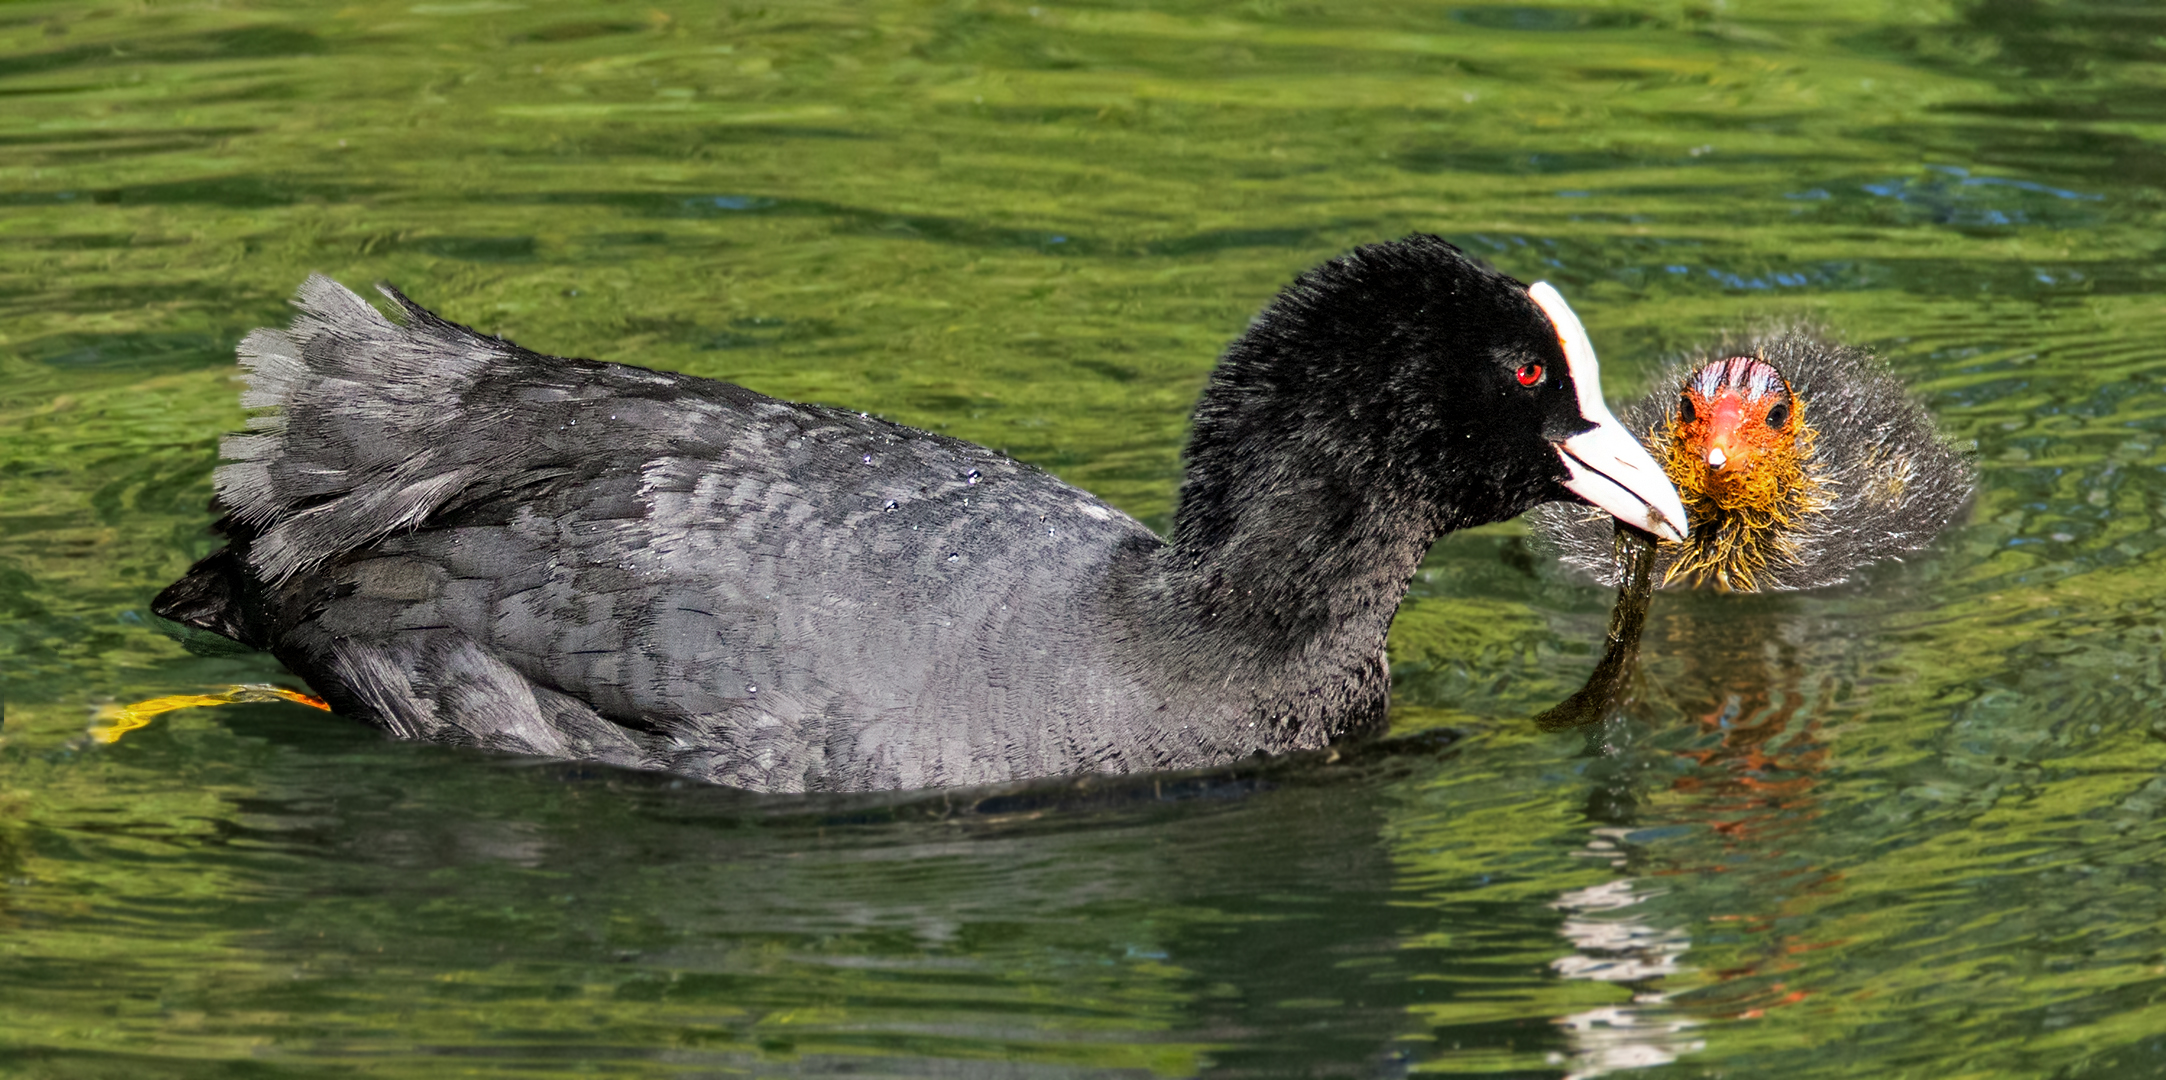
{"x": 457, "y": 539}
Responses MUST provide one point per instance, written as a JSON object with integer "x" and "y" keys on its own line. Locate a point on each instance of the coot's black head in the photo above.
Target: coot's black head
{"x": 1408, "y": 379}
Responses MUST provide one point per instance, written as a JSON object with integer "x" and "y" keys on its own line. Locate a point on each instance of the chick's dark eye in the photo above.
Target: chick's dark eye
{"x": 1779, "y": 415}
{"x": 1529, "y": 374}
{"x": 1685, "y": 411}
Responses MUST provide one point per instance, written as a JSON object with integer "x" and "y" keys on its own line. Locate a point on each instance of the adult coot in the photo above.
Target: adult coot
{"x": 456, "y": 539}
{"x": 1800, "y": 461}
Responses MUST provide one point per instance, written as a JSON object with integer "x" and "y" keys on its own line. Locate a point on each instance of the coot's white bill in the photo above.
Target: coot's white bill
{"x": 1609, "y": 467}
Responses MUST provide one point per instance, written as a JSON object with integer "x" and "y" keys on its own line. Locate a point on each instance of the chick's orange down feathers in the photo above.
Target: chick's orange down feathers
{"x": 1738, "y": 448}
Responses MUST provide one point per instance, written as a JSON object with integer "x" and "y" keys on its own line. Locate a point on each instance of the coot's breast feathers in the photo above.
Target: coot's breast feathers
{"x": 1890, "y": 481}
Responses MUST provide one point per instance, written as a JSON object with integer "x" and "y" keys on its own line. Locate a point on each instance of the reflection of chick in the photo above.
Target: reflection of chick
{"x": 1799, "y": 461}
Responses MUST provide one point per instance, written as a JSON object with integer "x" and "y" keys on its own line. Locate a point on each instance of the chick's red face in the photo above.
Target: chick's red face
{"x": 1733, "y": 417}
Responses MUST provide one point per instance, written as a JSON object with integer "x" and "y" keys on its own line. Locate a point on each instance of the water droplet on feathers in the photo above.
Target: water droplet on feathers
{"x": 954, "y": 556}
{"x": 868, "y": 459}
{"x": 971, "y": 476}
{"x": 889, "y": 508}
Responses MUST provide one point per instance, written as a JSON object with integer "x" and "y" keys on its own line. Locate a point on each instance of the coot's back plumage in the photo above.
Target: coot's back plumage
{"x": 458, "y": 539}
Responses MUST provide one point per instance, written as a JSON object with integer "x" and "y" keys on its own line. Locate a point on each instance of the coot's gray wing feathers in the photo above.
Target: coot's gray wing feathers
{"x": 681, "y": 554}
{"x": 766, "y": 628}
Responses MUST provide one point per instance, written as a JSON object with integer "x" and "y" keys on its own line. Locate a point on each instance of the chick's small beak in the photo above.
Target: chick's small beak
{"x": 1607, "y": 466}
{"x": 1724, "y": 421}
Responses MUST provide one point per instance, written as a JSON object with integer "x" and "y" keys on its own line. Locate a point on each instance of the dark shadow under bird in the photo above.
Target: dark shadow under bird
{"x": 456, "y": 539}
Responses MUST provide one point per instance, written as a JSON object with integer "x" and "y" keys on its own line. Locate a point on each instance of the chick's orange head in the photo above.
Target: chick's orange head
{"x": 1736, "y": 417}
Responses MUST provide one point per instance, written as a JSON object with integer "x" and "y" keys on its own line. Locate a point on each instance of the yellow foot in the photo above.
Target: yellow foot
{"x": 115, "y": 721}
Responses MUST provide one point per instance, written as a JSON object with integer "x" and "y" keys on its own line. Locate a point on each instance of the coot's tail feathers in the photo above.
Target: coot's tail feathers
{"x": 209, "y": 598}
{"x": 368, "y": 430}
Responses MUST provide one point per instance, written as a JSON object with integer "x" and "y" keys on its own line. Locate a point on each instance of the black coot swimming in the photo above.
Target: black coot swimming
{"x": 456, "y": 539}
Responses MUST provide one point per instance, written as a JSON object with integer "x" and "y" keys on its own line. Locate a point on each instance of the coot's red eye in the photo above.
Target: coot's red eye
{"x": 1529, "y": 374}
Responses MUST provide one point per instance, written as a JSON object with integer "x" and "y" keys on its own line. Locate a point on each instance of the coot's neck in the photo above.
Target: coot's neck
{"x": 1299, "y": 529}
{"x": 1293, "y": 586}
{"x": 1381, "y": 400}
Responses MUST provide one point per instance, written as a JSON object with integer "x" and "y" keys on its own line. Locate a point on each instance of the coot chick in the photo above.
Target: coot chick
{"x": 1800, "y": 461}
{"x": 456, "y": 539}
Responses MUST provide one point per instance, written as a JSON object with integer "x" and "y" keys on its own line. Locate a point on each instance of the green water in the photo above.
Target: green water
{"x": 1911, "y": 828}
